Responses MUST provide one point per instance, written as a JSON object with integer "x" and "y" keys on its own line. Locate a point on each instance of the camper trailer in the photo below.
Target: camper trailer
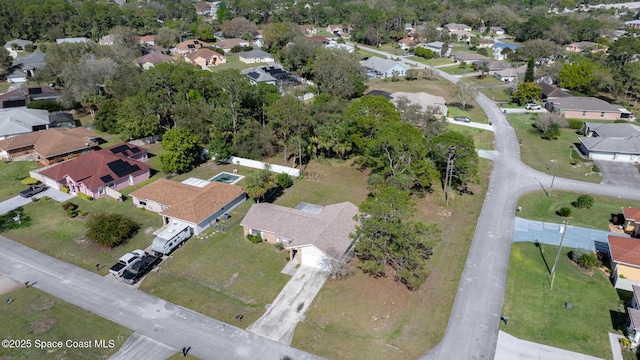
{"x": 171, "y": 238}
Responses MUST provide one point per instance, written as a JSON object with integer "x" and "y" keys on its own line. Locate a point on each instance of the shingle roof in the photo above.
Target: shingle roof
{"x": 624, "y": 250}
{"x": 328, "y": 229}
{"x": 381, "y": 65}
{"x": 620, "y": 130}
{"x": 52, "y": 142}
{"x": 254, "y": 54}
{"x": 97, "y": 168}
{"x": 72, "y": 40}
{"x": 634, "y": 316}
{"x": 584, "y": 104}
{"x": 630, "y": 145}
{"x": 16, "y": 121}
{"x": 153, "y": 58}
{"x": 631, "y": 213}
{"x": 191, "y": 45}
{"x": 636, "y": 293}
{"x": 231, "y": 43}
{"x": 552, "y": 91}
{"x": 204, "y": 53}
{"x": 33, "y": 93}
{"x": 186, "y": 202}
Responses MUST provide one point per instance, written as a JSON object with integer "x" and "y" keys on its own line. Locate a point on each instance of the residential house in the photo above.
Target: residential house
{"x": 75, "y": 40}
{"x": 338, "y": 29}
{"x": 273, "y": 75}
{"x": 550, "y": 91}
{"x": 499, "y": 50}
{"x": 428, "y": 102}
{"x": 26, "y": 66}
{"x": 204, "y": 57}
{"x": 486, "y": 43}
{"x": 406, "y": 43}
{"x": 24, "y": 96}
{"x": 320, "y": 39}
{"x": 583, "y": 46}
{"x": 631, "y": 224}
{"x": 16, "y": 121}
{"x": 614, "y": 142}
{"x": 229, "y": 44}
{"x": 469, "y": 57}
{"x": 152, "y": 59}
{"x": 255, "y": 56}
{"x": 574, "y": 107}
{"x": 107, "y": 40}
{"x": 511, "y": 73}
{"x": 457, "y": 27}
{"x": 258, "y": 41}
{"x": 314, "y": 235}
{"x": 462, "y": 35}
{"x": 148, "y": 40}
{"x": 493, "y": 65}
{"x": 15, "y": 45}
{"x": 49, "y": 146}
{"x": 198, "y": 206}
{"x": 98, "y": 172}
{"x": 308, "y": 30}
{"x": 408, "y": 28}
{"x": 379, "y": 68}
{"x": 634, "y": 24}
{"x": 437, "y": 47}
{"x": 189, "y": 46}
{"x": 624, "y": 253}
{"x": 332, "y": 44}
{"x": 633, "y": 330}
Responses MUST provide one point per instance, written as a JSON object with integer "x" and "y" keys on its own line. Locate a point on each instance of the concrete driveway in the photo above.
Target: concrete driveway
{"x": 18, "y": 201}
{"x": 139, "y": 346}
{"x": 619, "y": 173}
{"x": 512, "y": 348}
{"x": 282, "y": 317}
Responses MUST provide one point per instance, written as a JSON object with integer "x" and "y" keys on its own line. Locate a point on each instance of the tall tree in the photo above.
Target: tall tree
{"x": 461, "y": 152}
{"x": 385, "y": 238}
{"x": 527, "y": 91}
{"x": 338, "y": 73}
{"x": 288, "y": 117}
{"x": 529, "y": 74}
{"x": 181, "y": 150}
{"x": 579, "y": 76}
{"x": 238, "y": 27}
{"x": 465, "y": 92}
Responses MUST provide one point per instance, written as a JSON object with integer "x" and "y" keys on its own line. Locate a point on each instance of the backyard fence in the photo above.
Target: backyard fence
{"x": 262, "y": 165}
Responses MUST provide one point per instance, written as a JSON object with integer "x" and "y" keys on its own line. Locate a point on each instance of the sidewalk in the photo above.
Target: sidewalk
{"x": 512, "y": 348}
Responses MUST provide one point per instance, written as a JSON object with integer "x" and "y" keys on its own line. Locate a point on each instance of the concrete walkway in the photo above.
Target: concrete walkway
{"x": 282, "y": 317}
{"x": 512, "y": 348}
{"x": 472, "y": 124}
{"x": 141, "y": 347}
{"x": 616, "y": 351}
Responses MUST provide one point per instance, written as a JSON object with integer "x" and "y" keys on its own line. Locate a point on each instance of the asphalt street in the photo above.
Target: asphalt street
{"x": 174, "y": 326}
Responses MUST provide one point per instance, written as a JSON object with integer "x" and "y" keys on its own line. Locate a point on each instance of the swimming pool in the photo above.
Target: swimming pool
{"x": 227, "y": 178}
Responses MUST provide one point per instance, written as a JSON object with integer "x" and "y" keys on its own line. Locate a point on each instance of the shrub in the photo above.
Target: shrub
{"x": 625, "y": 342}
{"x": 69, "y": 205}
{"x": 72, "y": 213}
{"x": 278, "y": 246}
{"x": 29, "y": 181}
{"x": 256, "y": 239}
{"x": 584, "y": 202}
{"x": 84, "y": 196}
{"x": 588, "y": 260}
{"x": 595, "y": 168}
{"x": 110, "y": 229}
{"x": 577, "y": 253}
{"x": 575, "y": 124}
{"x": 564, "y": 211}
{"x": 64, "y": 189}
{"x": 45, "y": 198}
{"x": 284, "y": 181}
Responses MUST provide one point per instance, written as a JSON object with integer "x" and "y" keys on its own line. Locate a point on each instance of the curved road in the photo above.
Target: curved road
{"x": 472, "y": 332}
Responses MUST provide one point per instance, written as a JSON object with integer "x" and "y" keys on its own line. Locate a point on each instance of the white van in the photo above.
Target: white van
{"x": 171, "y": 238}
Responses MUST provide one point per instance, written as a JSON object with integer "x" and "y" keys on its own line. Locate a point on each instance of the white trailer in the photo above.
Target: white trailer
{"x": 171, "y": 238}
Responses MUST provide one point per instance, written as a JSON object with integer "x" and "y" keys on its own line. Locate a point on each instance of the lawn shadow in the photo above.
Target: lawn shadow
{"x": 537, "y": 243}
{"x": 14, "y": 219}
{"x": 619, "y": 320}
{"x": 273, "y": 194}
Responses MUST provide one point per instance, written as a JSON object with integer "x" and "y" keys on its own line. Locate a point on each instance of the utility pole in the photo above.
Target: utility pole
{"x": 451, "y": 157}
{"x": 553, "y": 179}
{"x": 555, "y": 262}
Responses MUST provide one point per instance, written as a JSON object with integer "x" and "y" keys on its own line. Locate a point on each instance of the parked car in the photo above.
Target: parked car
{"x": 33, "y": 189}
{"x": 141, "y": 268}
{"x": 126, "y": 261}
{"x": 462, "y": 119}
{"x": 532, "y": 106}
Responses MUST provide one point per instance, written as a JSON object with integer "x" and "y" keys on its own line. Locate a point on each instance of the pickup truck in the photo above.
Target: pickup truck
{"x": 126, "y": 261}
{"x": 33, "y": 189}
{"x": 141, "y": 268}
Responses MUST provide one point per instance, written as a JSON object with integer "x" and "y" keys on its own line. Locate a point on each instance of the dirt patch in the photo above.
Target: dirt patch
{"x": 43, "y": 305}
{"x": 8, "y": 285}
{"x": 42, "y": 325}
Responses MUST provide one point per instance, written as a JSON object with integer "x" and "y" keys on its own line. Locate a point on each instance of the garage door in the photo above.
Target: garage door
{"x": 312, "y": 256}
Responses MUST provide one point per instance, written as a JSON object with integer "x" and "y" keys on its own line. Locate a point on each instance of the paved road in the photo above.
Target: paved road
{"x": 141, "y": 347}
{"x": 152, "y": 317}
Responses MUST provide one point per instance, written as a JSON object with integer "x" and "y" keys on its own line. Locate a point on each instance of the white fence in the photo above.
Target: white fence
{"x": 261, "y": 165}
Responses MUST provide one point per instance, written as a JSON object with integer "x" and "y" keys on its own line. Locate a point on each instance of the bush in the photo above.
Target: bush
{"x": 575, "y": 124}
{"x": 29, "y": 181}
{"x": 284, "y": 181}
{"x": 564, "y": 211}
{"x": 64, "y": 189}
{"x": 256, "y": 239}
{"x": 577, "y": 253}
{"x": 278, "y": 246}
{"x": 588, "y": 260}
{"x": 69, "y": 205}
{"x": 110, "y": 229}
{"x": 595, "y": 168}
{"x": 625, "y": 342}
{"x": 84, "y": 196}
{"x": 45, "y": 198}
{"x": 584, "y": 202}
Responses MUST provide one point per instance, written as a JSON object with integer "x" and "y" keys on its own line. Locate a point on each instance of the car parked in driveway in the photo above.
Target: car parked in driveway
{"x": 33, "y": 190}
{"x": 141, "y": 268}
{"x": 532, "y": 106}
{"x": 462, "y": 119}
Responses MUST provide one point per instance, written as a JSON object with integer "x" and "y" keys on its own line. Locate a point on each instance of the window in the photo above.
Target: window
{"x": 143, "y": 203}
{"x": 255, "y": 232}
{"x": 112, "y": 185}
{"x": 602, "y": 114}
{"x": 584, "y": 113}
{"x": 130, "y": 179}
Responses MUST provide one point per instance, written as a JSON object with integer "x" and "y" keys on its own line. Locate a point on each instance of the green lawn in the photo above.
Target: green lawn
{"x": 233, "y": 62}
{"x": 457, "y": 70}
{"x": 46, "y": 228}
{"x": 11, "y": 175}
{"x": 538, "y": 314}
{"x": 362, "y": 53}
{"x": 35, "y": 315}
{"x": 538, "y": 153}
{"x": 432, "y": 62}
{"x": 482, "y": 139}
{"x": 497, "y": 93}
{"x": 537, "y": 206}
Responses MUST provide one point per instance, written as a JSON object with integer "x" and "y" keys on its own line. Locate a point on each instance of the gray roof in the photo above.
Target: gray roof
{"x": 330, "y": 228}
{"x": 381, "y": 65}
{"x": 634, "y": 316}
{"x": 435, "y": 44}
{"x": 552, "y": 91}
{"x": 258, "y": 75}
{"x": 21, "y": 120}
{"x": 584, "y": 104}
{"x": 256, "y": 53}
{"x": 469, "y": 56}
{"x": 72, "y": 40}
{"x": 21, "y": 43}
{"x": 636, "y": 293}
{"x": 629, "y": 145}
{"x": 610, "y": 130}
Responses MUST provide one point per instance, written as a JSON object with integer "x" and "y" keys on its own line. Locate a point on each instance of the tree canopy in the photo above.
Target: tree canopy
{"x": 181, "y": 150}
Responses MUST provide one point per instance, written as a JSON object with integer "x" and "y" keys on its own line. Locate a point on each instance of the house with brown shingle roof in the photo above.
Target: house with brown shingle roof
{"x": 147, "y": 40}
{"x": 91, "y": 174}
{"x": 152, "y": 59}
{"x": 308, "y": 30}
{"x": 624, "y": 253}
{"x": 631, "y": 223}
{"x": 205, "y": 57}
{"x": 313, "y": 234}
{"x": 200, "y": 207}
{"x": 24, "y": 96}
{"x": 229, "y": 44}
{"x": 49, "y": 146}
{"x": 188, "y": 46}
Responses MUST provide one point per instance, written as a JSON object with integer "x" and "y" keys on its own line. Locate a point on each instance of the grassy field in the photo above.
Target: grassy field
{"x": 487, "y": 80}
{"x": 362, "y": 53}
{"x": 366, "y": 318}
{"x": 35, "y": 315}
{"x": 482, "y": 139}
{"x": 432, "y": 62}
{"x": 537, "y": 206}
{"x": 11, "y": 175}
{"x": 538, "y": 314}
{"x": 497, "y": 93}
{"x": 233, "y": 62}
{"x": 457, "y": 70}
{"x": 538, "y": 153}
{"x": 46, "y": 228}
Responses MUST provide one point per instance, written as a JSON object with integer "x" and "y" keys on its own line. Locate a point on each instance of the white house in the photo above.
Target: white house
{"x": 255, "y": 56}
{"x": 379, "y": 68}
